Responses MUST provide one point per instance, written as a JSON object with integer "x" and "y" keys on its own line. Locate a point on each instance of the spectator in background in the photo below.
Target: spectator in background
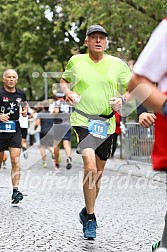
{"x": 62, "y": 129}
{"x": 24, "y": 131}
{"x": 45, "y": 121}
{"x": 32, "y": 132}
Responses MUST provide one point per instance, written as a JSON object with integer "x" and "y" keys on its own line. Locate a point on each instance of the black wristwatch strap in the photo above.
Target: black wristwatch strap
{"x": 165, "y": 109}
{"x": 123, "y": 99}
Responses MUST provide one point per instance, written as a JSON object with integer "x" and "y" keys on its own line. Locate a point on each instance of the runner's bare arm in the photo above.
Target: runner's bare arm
{"x": 155, "y": 100}
{"x": 70, "y": 95}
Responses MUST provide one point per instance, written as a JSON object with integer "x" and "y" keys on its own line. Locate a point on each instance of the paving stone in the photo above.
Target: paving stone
{"x": 130, "y": 208}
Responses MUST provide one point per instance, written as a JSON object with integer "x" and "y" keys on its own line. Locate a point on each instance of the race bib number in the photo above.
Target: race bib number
{"x": 98, "y": 128}
{"x": 8, "y": 127}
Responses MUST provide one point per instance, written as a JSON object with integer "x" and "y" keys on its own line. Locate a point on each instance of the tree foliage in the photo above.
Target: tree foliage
{"x": 41, "y": 35}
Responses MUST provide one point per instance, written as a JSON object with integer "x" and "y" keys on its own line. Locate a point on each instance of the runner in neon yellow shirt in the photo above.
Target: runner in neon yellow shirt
{"x": 94, "y": 79}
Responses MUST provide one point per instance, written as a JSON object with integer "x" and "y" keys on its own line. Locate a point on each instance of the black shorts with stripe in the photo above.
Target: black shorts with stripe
{"x": 11, "y": 139}
{"x": 102, "y": 147}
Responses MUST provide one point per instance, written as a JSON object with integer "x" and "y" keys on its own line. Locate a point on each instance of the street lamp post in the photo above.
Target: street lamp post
{"x": 45, "y": 88}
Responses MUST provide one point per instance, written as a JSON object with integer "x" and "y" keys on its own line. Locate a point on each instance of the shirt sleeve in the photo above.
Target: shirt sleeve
{"x": 124, "y": 77}
{"x": 152, "y": 62}
{"x": 68, "y": 74}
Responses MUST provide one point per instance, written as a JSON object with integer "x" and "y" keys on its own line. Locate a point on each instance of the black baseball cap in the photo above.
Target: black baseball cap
{"x": 96, "y": 28}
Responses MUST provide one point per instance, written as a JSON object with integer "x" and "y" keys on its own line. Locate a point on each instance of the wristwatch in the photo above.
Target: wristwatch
{"x": 123, "y": 100}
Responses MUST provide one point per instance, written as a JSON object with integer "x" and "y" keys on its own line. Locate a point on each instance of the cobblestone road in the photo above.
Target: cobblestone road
{"x": 130, "y": 209}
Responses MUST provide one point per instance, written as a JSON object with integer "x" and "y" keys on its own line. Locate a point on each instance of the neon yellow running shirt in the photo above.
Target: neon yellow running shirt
{"x": 96, "y": 83}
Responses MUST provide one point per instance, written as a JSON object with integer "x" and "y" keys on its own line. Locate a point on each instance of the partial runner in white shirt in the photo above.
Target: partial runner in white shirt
{"x": 151, "y": 68}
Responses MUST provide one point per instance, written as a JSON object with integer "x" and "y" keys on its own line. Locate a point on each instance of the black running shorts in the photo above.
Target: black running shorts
{"x": 10, "y": 140}
{"x": 102, "y": 147}
{"x": 24, "y": 132}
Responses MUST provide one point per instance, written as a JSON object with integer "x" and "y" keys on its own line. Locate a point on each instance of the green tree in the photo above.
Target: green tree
{"x": 41, "y": 35}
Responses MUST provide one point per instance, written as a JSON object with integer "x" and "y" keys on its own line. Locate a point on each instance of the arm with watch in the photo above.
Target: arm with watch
{"x": 116, "y": 103}
{"x": 145, "y": 118}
